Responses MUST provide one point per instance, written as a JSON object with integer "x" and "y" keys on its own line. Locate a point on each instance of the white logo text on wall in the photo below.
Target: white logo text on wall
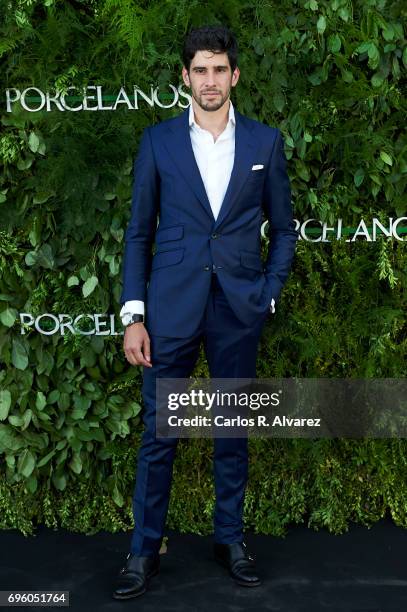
{"x": 97, "y": 324}
{"x": 92, "y": 98}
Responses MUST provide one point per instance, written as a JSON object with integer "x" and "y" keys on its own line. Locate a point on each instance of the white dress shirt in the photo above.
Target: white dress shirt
{"x": 215, "y": 162}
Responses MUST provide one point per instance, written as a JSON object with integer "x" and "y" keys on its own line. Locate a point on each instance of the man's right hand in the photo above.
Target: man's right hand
{"x": 137, "y": 345}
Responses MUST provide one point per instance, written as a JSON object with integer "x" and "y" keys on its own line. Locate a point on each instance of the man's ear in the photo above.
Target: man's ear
{"x": 185, "y": 76}
{"x": 235, "y": 76}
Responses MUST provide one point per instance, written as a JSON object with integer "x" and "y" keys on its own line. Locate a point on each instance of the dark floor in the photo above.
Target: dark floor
{"x": 360, "y": 571}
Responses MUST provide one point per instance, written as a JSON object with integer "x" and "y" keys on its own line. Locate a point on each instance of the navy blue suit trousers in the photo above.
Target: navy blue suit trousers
{"x": 231, "y": 349}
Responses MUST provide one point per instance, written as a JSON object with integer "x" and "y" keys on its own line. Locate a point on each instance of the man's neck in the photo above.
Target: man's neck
{"x": 213, "y": 121}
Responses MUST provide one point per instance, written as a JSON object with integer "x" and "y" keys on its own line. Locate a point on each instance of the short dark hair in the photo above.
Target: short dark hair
{"x": 215, "y": 38}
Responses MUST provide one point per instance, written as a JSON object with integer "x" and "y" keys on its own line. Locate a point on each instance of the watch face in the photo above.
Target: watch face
{"x": 137, "y": 318}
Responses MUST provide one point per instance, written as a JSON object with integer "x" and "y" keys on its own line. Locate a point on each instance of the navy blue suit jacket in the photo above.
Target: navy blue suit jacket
{"x": 174, "y": 282}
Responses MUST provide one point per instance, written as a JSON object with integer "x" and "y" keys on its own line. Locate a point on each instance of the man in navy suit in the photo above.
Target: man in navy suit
{"x": 206, "y": 176}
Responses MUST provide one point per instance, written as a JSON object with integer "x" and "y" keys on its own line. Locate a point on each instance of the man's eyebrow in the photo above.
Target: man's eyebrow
{"x": 218, "y": 66}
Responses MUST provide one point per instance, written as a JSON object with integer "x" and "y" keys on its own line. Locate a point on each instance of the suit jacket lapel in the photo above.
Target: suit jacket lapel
{"x": 180, "y": 149}
{"x": 245, "y": 151}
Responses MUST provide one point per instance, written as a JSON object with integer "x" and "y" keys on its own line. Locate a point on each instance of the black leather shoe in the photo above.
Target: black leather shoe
{"x": 133, "y": 577}
{"x": 238, "y": 561}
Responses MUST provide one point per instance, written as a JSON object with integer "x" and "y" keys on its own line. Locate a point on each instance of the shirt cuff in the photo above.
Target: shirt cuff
{"x": 137, "y": 307}
{"x": 130, "y": 308}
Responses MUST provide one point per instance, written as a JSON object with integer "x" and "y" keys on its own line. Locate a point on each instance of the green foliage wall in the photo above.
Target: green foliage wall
{"x": 331, "y": 75}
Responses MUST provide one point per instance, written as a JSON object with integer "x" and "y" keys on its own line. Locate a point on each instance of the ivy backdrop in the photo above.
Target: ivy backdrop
{"x": 330, "y": 75}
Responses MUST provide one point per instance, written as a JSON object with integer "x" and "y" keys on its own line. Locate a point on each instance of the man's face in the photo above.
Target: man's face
{"x": 210, "y": 78}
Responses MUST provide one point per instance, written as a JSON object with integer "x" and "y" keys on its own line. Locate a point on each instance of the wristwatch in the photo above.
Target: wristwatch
{"x": 134, "y": 318}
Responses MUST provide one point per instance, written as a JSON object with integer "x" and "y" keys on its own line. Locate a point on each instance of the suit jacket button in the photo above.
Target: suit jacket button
{"x": 206, "y": 268}
{"x": 214, "y": 236}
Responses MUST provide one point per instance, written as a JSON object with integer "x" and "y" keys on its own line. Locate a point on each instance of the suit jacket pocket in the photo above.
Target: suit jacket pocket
{"x": 162, "y": 259}
{"x": 257, "y": 175}
{"x": 165, "y": 234}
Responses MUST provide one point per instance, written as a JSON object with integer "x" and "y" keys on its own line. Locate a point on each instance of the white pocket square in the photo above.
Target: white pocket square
{"x": 257, "y": 167}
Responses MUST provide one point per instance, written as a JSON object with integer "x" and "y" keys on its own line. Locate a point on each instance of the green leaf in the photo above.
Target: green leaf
{"x": 59, "y": 481}
{"x": 117, "y": 497}
{"x": 31, "y": 258}
{"x": 313, "y": 198}
{"x": 301, "y": 148}
{"x": 316, "y": 77}
{"x": 42, "y": 196}
{"x": 344, "y": 13}
{"x": 334, "y": 43}
{"x": 43, "y": 257}
{"x": 19, "y": 357}
{"x": 45, "y": 459}
{"x": 73, "y": 280}
{"x": 31, "y": 484}
{"x": 135, "y": 408}
{"x": 117, "y": 234}
{"x": 89, "y": 285}
{"x": 114, "y": 266}
{"x": 363, "y": 47}
{"x": 16, "y": 420}
{"x": 395, "y": 67}
{"x": 33, "y": 142}
{"x": 54, "y": 396}
{"x": 27, "y": 416}
{"x": 40, "y": 401}
{"x": 321, "y": 24}
{"x": 386, "y": 158}
{"x": 88, "y": 357}
{"x": 26, "y": 463}
{"x": 8, "y": 316}
{"x": 388, "y": 32}
{"x": 258, "y": 46}
{"x": 76, "y": 463}
{"x": 46, "y": 257}
{"x": 347, "y": 76}
{"x": 358, "y": 177}
{"x": 279, "y": 101}
{"x": 302, "y": 170}
{"x": 24, "y": 164}
{"x": 377, "y": 80}
{"x": 5, "y": 403}
{"x": 10, "y": 439}
{"x": 374, "y": 55}
{"x": 81, "y": 406}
